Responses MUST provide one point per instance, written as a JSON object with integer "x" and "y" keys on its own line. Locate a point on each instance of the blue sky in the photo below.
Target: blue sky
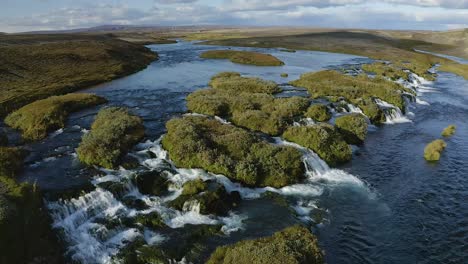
{"x": 28, "y": 15}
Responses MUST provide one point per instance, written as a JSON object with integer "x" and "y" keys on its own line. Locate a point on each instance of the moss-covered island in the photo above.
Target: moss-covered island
{"x": 359, "y": 90}
{"x": 35, "y": 120}
{"x": 234, "y": 82}
{"x": 114, "y": 131}
{"x": 386, "y": 70}
{"x": 243, "y": 57}
{"x": 353, "y": 127}
{"x": 324, "y": 139}
{"x": 434, "y": 149}
{"x": 293, "y": 245}
{"x": 449, "y": 131}
{"x": 35, "y": 67}
{"x": 319, "y": 112}
{"x": 201, "y": 142}
{"x": 25, "y": 228}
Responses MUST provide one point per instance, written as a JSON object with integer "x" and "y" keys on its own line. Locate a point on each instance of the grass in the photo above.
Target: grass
{"x": 11, "y": 161}
{"x": 200, "y": 142}
{"x": 292, "y": 245}
{"x": 323, "y": 139}
{"x": 113, "y": 133}
{"x": 434, "y": 149}
{"x": 353, "y": 127}
{"x": 234, "y": 82}
{"x": 449, "y": 131}
{"x": 318, "y": 112}
{"x": 456, "y": 68}
{"x": 284, "y": 75}
{"x": 386, "y": 70}
{"x": 37, "y": 119}
{"x": 243, "y": 57}
{"x": 256, "y": 111}
{"x": 358, "y": 90}
{"x": 35, "y": 67}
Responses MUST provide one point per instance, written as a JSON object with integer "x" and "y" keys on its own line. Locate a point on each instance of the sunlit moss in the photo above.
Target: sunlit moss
{"x": 353, "y": 127}
{"x": 434, "y": 149}
{"x": 243, "y": 57}
{"x": 449, "y": 131}
{"x": 236, "y": 83}
{"x": 318, "y": 112}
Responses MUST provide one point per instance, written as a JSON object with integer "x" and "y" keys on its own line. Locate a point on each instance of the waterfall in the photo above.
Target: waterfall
{"x": 393, "y": 114}
{"x": 354, "y": 109}
{"x": 191, "y": 206}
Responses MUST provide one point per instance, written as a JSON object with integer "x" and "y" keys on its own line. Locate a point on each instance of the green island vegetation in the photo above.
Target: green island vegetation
{"x": 434, "y": 149}
{"x": 449, "y": 131}
{"x": 234, "y": 82}
{"x": 243, "y": 57}
{"x": 25, "y": 226}
{"x": 288, "y": 50}
{"x": 318, "y": 112}
{"x": 113, "y": 133}
{"x": 386, "y": 70}
{"x": 324, "y": 139}
{"x": 36, "y": 66}
{"x": 457, "y": 68}
{"x": 201, "y": 142}
{"x": 37, "y": 119}
{"x": 359, "y": 90}
{"x": 292, "y": 245}
{"x": 353, "y": 128}
{"x": 284, "y": 75}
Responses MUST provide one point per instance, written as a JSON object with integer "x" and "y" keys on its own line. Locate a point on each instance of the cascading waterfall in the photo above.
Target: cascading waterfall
{"x": 393, "y": 114}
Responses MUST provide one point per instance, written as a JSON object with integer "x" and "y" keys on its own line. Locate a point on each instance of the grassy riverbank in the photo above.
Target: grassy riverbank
{"x": 38, "y": 66}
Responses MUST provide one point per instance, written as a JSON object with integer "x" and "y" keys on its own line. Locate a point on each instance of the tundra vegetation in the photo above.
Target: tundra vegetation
{"x": 324, "y": 139}
{"x": 449, "y": 131}
{"x": 318, "y": 112}
{"x": 293, "y": 245}
{"x": 233, "y": 81}
{"x": 35, "y": 67}
{"x": 37, "y": 119}
{"x": 243, "y": 57}
{"x": 201, "y": 142}
{"x": 353, "y": 128}
{"x": 386, "y": 70}
{"x": 359, "y": 90}
{"x": 434, "y": 149}
{"x": 284, "y": 75}
{"x": 114, "y": 131}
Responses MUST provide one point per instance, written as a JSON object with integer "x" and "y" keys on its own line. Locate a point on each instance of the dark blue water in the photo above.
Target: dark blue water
{"x": 408, "y": 210}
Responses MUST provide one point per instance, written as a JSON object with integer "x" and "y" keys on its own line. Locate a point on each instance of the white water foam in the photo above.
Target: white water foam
{"x": 393, "y": 114}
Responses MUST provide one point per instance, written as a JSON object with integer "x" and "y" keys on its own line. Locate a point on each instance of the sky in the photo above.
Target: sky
{"x": 32, "y": 15}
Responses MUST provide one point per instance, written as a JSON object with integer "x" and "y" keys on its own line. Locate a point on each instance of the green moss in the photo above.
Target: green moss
{"x": 353, "y": 127}
{"x": 293, "y": 245}
{"x": 234, "y": 82}
{"x": 356, "y": 90}
{"x": 323, "y": 139}
{"x": 36, "y": 67}
{"x": 386, "y": 70}
{"x": 449, "y": 131}
{"x": 112, "y": 134}
{"x": 194, "y": 187}
{"x": 318, "y": 112}
{"x": 371, "y": 110}
{"x": 152, "y": 182}
{"x": 11, "y": 161}
{"x": 35, "y": 120}
{"x": 434, "y": 149}
{"x": 3, "y": 139}
{"x": 199, "y": 142}
{"x": 284, "y": 75}
{"x": 243, "y": 57}
{"x": 259, "y": 112}
{"x": 152, "y": 220}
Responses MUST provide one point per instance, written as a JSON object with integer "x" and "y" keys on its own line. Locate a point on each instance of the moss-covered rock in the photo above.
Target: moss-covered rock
{"x": 323, "y": 139}
{"x": 293, "y": 245}
{"x": 112, "y": 134}
{"x": 284, "y": 75}
{"x": 319, "y": 112}
{"x": 371, "y": 110}
{"x": 200, "y": 142}
{"x": 359, "y": 90}
{"x": 243, "y": 57}
{"x": 353, "y": 127}
{"x": 214, "y": 200}
{"x": 152, "y": 220}
{"x": 386, "y": 70}
{"x": 11, "y": 161}
{"x": 449, "y": 131}
{"x": 434, "y": 149}
{"x": 234, "y": 82}
{"x": 35, "y": 120}
{"x": 256, "y": 111}
{"x": 152, "y": 182}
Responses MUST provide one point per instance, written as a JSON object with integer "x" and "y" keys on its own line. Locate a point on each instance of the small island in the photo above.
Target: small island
{"x": 243, "y": 57}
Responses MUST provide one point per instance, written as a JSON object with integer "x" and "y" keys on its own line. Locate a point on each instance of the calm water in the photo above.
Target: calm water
{"x": 397, "y": 208}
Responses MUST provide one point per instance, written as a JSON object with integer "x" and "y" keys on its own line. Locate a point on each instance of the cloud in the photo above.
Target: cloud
{"x": 170, "y": 2}
{"x": 454, "y": 4}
